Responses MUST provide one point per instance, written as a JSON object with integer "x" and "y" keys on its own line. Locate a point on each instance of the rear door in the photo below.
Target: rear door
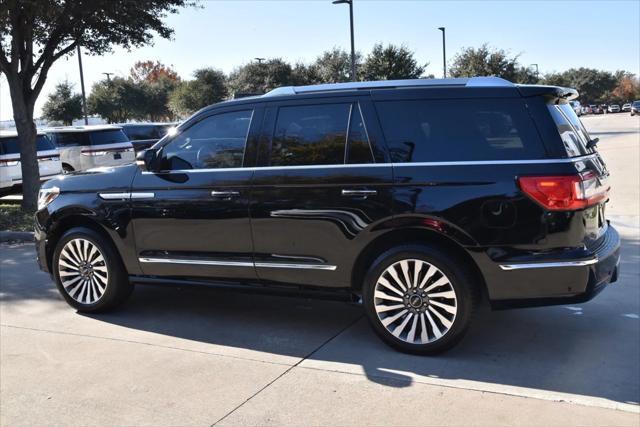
{"x": 317, "y": 192}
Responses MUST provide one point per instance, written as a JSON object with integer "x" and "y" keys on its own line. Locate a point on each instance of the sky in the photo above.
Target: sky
{"x": 554, "y": 34}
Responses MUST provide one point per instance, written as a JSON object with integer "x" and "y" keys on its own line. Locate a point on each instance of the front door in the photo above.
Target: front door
{"x": 319, "y": 193}
{"x": 190, "y": 213}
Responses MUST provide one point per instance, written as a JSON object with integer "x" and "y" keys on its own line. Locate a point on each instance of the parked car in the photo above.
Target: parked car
{"x": 604, "y": 108}
{"x": 586, "y": 109}
{"x": 596, "y": 109}
{"x": 419, "y": 197}
{"x": 576, "y": 107}
{"x": 85, "y": 147}
{"x": 144, "y": 135}
{"x": 635, "y": 108}
{"x": 626, "y": 107}
{"x": 614, "y": 108}
{"x": 10, "y": 168}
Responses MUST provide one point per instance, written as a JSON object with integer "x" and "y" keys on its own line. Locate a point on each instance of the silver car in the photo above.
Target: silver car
{"x": 86, "y": 147}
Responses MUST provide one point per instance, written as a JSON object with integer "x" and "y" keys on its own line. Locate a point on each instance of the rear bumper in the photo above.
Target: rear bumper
{"x": 556, "y": 281}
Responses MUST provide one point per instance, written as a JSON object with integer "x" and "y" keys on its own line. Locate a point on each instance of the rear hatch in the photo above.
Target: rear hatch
{"x": 107, "y": 142}
{"x": 593, "y": 183}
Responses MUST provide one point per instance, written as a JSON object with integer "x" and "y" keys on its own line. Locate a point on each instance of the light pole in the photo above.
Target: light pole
{"x": 84, "y": 97}
{"x": 353, "y": 49}
{"x": 444, "y": 54}
{"x": 108, "y": 76}
{"x": 537, "y": 71}
{"x": 259, "y": 60}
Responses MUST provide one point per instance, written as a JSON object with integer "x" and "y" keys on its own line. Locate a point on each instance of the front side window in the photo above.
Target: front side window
{"x": 214, "y": 142}
{"x": 458, "y": 130}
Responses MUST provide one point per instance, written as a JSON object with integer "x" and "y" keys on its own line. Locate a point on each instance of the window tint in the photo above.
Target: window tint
{"x": 145, "y": 131}
{"x": 105, "y": 137}
{"x": 215, "y": 142}
{"x": 458, "y": 130}
{"x": 310, "y": 135}
{"x": 572, "y": 139}
{"x": 71, "y": 139}
{"x": 12, "y": 145}
{"x": 359, "y": 150}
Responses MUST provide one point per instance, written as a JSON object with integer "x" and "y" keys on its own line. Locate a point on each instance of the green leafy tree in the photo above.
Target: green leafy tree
{"x": 117, "y": 100}
{"x": 35, "y": 34}
{"x": 207, "y": 87}
{"x": 63, "y": 105}
{"x": 156, "y": 99}
{"x": 485, "y": 61}
{"x": 257, "y": 77}
{"x": 594, "y": 86}
{"x": 391, "y": 63}
{"x": 334, "y": 66}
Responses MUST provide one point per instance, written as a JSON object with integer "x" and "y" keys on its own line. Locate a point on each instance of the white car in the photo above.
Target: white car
{"x": 576, "y": 107}
{"x": 10, "y": 168}
{"x": 614, "y": 108}
{"x": 626, "y": 107}
{"x": 86, "y": 147}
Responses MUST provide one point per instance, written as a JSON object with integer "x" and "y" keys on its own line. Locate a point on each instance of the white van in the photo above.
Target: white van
{"x": 86, "y": 147}
{"x": 10, "y": 167}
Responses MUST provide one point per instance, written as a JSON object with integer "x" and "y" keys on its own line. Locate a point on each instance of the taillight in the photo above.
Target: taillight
{"x": 9, "y": 162}
{"x": 93, "y": 153}
{"x": 565, "y": 193}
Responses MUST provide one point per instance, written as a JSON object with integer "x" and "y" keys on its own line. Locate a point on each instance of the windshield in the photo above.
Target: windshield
{"x": 573, "y": 133}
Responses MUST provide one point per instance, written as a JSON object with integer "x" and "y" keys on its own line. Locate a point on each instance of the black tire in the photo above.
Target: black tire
{"x": 66, "y": 168}
{"x": 117, "y": 288}
{"x": 460, "y": 280}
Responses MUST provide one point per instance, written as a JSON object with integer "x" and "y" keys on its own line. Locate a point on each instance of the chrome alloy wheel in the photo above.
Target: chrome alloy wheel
{"x": 83, "y": 271}
{"x": 415, "y": 301}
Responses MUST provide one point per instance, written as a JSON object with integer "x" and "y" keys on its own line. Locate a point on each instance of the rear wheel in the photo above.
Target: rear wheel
{"x": 66, "y": 168}
{"x": 418, "y": 299}
{"x": 88, "y": 271}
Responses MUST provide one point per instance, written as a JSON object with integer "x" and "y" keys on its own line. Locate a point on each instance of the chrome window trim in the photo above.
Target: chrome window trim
{"x": 328, "y": 267}
{"x": 379, "y": 165}
{"x": 558, "y": 264}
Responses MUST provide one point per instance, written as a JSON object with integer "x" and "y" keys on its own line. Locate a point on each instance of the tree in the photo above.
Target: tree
{"x": 594, "y": 86}
{"x": 257, "y": 77}
{"x": 35, "y": 34}
{"x": 334, "y": 66}
{"x": 63, "y": 105}
{"x": 628, "y": 88}
{"x": 207, "y": 87}
{"x": 151, "y": 72}
{"x": 391, "y": 63}
{"x": 117, "y": 100}
{"x": 484, "y": 61}
{"x": 156, "y": 99}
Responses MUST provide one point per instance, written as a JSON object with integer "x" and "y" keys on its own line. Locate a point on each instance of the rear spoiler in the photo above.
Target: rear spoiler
{"x": 556, "y": 93}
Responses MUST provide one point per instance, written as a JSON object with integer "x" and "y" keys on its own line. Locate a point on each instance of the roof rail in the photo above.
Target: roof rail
{"x": 388, "y": 84}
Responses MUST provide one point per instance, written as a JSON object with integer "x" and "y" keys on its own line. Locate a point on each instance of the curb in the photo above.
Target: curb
{"x": 16, "y": 236}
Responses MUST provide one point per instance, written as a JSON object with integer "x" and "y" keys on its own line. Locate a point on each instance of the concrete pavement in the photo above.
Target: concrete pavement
{"x": 200, "y": 357}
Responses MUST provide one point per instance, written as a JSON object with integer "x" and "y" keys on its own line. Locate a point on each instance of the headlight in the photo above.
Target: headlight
{"x": 46, "y": 196}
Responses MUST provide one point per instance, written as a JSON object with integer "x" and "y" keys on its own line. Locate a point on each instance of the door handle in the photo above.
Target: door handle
{"x": 359, "y": 193}
{"x": 224, "y": 194}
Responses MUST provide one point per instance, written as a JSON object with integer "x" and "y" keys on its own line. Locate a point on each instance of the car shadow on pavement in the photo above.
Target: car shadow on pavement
{"x": 590, "y": 349}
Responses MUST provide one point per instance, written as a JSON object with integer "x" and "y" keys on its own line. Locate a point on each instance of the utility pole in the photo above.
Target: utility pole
{"x": 444, "y": 54}
{"x": 353, "y": 49}
{"x": 108, "y": 76}
{"x": 84, "y": 97}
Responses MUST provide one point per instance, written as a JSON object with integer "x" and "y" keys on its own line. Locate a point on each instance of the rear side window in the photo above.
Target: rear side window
{"x": 105, "y": 137}
{"x": 572, "y": 132}
{"x": 12, "y": 145}
{"x": 145, "y": 132}
{"x": 325, "y": 134}
{"x": 458, "y": 130}
{"x": 71, "y": 139}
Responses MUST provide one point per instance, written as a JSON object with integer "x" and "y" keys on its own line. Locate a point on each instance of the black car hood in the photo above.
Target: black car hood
{"x": 99, "y": 179}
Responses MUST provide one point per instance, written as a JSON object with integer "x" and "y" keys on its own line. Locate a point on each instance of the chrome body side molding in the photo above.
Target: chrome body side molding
{"x": 558, "y": 264}
{"x": 126, "y": 196}
{"x": 237, "y": 263}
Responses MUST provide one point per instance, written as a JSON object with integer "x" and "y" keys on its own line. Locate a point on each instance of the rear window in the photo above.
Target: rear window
{"x": 70, "y": 139}
{"x": 572, "y": 132}
{"x": 12, "y": 145}
{"x": 105, "y": 137}
{"x": 458, "y": 130}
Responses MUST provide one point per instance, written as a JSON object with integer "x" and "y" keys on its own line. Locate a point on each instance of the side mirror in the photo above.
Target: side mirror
{"x": 145, "y": 158}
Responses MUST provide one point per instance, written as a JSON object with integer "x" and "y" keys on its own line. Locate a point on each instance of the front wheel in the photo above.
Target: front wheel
{"x": 88, "y": 271}
{"x": 418, "y": 299}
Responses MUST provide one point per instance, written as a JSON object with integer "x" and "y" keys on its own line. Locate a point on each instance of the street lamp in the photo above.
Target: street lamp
{"x": 84, "y": 97}
{"x": 259, "y": 60}
{"x": 353, "y": 50}
{"x": 444, "y": 54}
{"x": 108, "y": 76}
{"x": 537, "y": 71}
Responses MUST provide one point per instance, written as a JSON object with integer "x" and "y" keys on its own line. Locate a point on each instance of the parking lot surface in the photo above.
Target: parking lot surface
{"x": 201, "y": 357}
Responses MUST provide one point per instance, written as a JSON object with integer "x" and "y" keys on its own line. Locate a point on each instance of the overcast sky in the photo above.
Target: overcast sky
{"x": 224, "y": 34}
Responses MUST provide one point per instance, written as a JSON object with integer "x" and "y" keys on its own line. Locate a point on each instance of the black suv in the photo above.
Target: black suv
{"x": 421, "y": 197}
